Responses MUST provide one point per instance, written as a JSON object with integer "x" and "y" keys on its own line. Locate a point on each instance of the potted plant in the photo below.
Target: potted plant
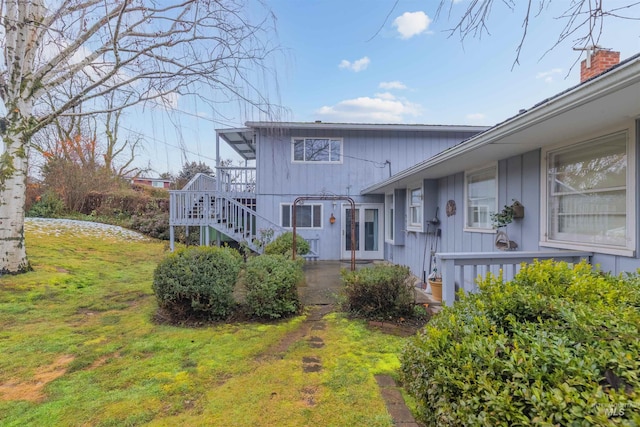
{"x": 503, "y": 218}
{"x": 435, "y": 282}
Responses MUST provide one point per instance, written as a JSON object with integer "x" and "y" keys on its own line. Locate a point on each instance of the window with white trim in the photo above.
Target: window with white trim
{"x": 415, "y": 209}
{"x": 317, "y": 150}
{"x": 481, "y": 198}
{"x": 157, "y": 184}
{"x": 307, "y": 216}
{"x": 389, "y": 218}
{"x": 590, "y": 196}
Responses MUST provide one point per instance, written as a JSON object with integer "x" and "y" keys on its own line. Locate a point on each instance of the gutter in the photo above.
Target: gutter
{"x": 365, "y": 126}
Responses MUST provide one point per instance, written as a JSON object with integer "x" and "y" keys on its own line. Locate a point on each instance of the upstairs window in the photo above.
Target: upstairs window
{"x": 480, "y": 198}
{"x": 590, "y": 196}
{"x": 317, "y": 150}
{"x": 307, "y": 216}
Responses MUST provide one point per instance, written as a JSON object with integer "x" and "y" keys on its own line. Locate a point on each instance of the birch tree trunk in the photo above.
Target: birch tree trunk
{"x": 20, "y": 48}
{"x": 13, "y": 186}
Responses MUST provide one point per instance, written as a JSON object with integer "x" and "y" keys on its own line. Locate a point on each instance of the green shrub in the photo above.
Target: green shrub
{"x": 381, "y": 291}
{"x": 48, "y": 206}
{"x": 283, "y": 245}
{"x": 152, "y": 224}
{"x": 271, "y": 282}
{"x": 555, "y": 346}
{"x": 197, "y": 282}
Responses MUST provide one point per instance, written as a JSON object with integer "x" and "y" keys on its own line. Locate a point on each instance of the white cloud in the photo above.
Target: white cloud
{"x": 476, "y": 117}
{"x": 355, "y": 66}
{"x": 385, "y": 95}
{"x": 411, "y": 24}
{"x": 548, "y": 76}
{"x": 382, "y": 108}
{"x": 392, "y": 85}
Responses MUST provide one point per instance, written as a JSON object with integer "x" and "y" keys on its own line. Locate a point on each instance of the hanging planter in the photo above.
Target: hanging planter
{"x": 501, "y": 220}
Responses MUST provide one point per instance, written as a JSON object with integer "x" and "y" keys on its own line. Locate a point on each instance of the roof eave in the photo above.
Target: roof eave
{"x": 365, "y": 126}
{"x": 589, "y": 91}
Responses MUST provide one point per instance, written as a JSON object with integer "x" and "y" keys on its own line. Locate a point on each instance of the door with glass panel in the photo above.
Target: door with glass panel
{"x": 368, "y": 231}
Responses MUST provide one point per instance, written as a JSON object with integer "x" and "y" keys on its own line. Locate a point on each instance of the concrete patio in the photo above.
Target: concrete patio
{"x": 323, "y": 283}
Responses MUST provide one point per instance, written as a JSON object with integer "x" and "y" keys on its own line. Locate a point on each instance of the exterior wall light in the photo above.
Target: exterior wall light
{"x": 332, "y": 219}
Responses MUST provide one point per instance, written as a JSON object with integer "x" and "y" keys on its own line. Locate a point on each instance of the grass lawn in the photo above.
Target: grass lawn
{"x": 79, "y": 347}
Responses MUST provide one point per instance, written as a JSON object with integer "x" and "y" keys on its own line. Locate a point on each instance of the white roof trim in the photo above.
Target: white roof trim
{"x": 365, "y": 126}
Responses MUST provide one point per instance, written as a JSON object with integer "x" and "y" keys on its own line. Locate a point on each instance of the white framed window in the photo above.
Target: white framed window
{"x": 389, "y": 218}
{"x": 157, "y": 184}
{"x": 307, "y": 215}
{"x": 588, "y": 195}
{"x": 480, "y": 198}
{"x": 415, "y": 209}
{"x": 316, "y": 150}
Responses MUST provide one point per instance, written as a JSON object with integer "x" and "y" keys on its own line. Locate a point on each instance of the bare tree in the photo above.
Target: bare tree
{"x": 119, "y": 154}
{"x": 76, "y": 52}
{"x": 583, "y": 19}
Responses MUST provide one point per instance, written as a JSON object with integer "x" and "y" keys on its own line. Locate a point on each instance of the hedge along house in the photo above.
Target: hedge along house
{"x": 284, "y": 161}
{"x": 571, "y": 161}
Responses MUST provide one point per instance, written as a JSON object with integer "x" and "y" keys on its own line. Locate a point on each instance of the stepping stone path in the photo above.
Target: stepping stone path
{"x": 322, "y": 283}
{"x": 309, "y": 331}
{"x": 395, "y": 403}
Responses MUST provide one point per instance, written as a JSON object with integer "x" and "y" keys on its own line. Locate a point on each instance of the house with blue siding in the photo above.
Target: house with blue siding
{"x": 310, "y": 159}
{"x": 425, "y": 194}
{"x": 571, "y": 161}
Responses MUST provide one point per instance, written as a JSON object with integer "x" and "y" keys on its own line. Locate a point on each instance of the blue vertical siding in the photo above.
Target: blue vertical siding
{"x": 518, "y": 179}
{"x": 279, "y": 180}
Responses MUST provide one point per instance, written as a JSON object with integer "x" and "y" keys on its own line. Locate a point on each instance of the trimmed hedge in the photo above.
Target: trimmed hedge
{"x": 283, "y": 245}
{"x": 197, "y": 282}
{"x": 555, "y": 346}
{"x": 271, "y": 282}
{"x": 379, "y": 292}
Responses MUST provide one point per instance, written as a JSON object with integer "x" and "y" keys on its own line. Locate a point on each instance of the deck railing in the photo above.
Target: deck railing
{"x": 238, "y": 180}
{"x": 191, "y": 207}
{"x": 460, "y": 271}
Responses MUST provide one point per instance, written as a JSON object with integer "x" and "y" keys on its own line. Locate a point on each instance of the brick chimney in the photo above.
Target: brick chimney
{"x": 597, "y": 63}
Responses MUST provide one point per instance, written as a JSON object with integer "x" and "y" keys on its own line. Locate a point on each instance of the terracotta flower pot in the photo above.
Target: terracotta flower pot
{"x": 436, "y": 289}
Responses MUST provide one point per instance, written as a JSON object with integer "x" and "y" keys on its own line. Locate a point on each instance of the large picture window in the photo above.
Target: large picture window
{"x": 480, "y": 198}
{"x": 308, "y": 216}
{"x": 587, "y": 194}
{"x": 323, "y": 150}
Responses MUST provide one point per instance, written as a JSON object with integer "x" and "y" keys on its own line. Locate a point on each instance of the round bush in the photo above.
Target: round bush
{"x": 381, "y": 292}
{"x": 283, "y": 245}
{"x": 271, "y": 282}
{"x": 555, "y": 346}
{"x": 197, "y": 282}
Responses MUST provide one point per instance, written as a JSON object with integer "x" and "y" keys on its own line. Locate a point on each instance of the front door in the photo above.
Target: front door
{"x": 368, "y": 231}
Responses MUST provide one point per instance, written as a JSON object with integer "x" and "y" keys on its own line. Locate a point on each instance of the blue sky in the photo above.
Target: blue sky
{"x": 345, "y": 61}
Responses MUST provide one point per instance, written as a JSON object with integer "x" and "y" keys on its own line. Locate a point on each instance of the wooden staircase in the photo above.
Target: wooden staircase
{"x": 232, "y": 213}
